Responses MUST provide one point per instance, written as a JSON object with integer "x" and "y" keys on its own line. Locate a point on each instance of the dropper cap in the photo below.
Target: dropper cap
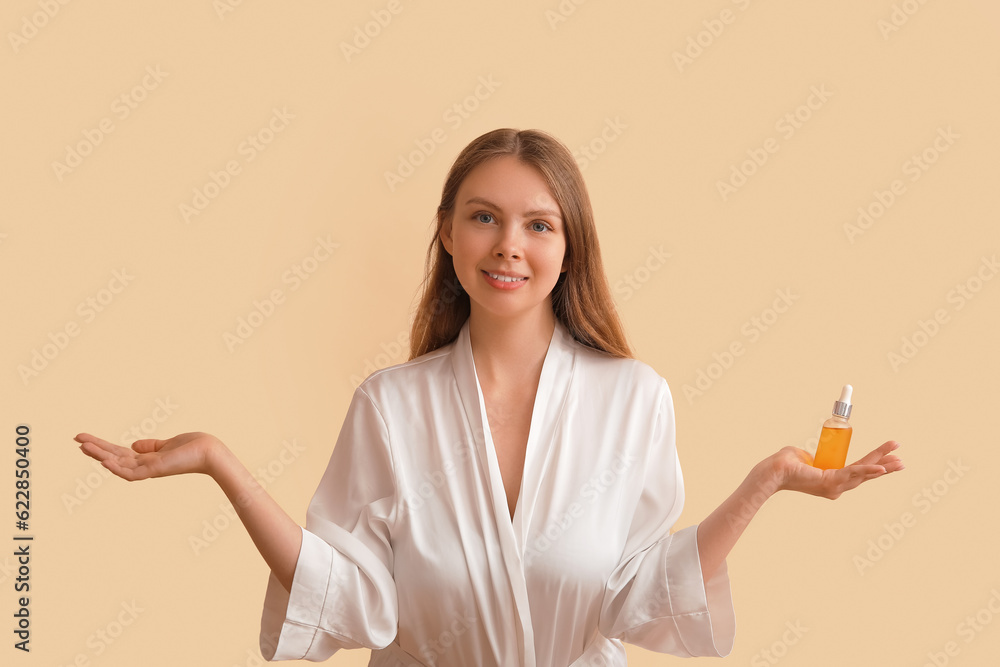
{"x": 842, "y": 408}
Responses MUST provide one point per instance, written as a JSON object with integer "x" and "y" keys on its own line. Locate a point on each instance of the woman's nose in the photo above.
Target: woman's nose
{"x": 509, "y": 242}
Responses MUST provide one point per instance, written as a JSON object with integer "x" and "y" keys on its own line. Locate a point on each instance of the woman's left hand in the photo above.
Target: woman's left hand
{"x": 794, "y": 471}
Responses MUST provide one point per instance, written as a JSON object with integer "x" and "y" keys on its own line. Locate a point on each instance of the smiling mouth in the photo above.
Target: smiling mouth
{"x": 505, "y": 279}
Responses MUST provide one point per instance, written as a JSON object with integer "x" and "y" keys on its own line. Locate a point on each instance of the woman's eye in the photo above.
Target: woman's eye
{"x": 480, "y": 216}
{"x": 541, "y": 225}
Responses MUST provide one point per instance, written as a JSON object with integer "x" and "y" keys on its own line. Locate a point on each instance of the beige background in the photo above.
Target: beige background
{"x": 672, "y": 130}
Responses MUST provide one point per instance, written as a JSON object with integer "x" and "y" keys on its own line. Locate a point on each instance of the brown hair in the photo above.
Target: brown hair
{"x": 581, "y": 298}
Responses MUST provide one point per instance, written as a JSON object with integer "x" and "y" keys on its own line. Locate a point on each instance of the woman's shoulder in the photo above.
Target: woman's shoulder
{"x": 600, "y": 367}
{"x": 601, "y": 361}
{"x": 412, "y": 375}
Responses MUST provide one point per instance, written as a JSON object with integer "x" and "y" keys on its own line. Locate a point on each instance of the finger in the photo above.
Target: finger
{"x": 877, "y": 453}
{"x": 147, "y": 445}
{"x": 127, "y": 473}
{"x": 864, "y": 468}
{"x": 96, "y": 452}
{"x": 85, "y": 438}
{"x": 857, "y": 473}
{"x": 863, "y": 473}
{"x": 126, "y": 458}
{"x": 892, "y": 463}
{"x": 872, "y": 456}
{"x": 855, "y": 481}
{"x": 129, "y": 462}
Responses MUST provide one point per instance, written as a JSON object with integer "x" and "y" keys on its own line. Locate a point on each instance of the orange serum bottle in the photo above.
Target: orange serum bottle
{"x": 831, "y": 452}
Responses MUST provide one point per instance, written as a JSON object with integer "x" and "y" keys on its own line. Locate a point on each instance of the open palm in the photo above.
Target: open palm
{"x": 184, "y": 453}
{"x": 797, "y": 473}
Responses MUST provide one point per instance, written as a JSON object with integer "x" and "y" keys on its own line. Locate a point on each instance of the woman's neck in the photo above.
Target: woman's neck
{"x": 507, "y": 350}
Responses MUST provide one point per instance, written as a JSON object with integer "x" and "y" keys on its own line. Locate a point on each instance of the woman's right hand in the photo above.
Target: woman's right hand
{"x": 275, "y": 534}
{"x": 184, "y": 453}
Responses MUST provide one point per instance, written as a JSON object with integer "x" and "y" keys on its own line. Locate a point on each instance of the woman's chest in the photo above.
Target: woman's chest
{"x": 509, "y": 418}
{"x": 576, "y": 488}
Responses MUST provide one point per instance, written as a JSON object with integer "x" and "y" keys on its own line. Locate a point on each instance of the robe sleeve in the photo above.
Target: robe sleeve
{"x": 343, "y": 594}
{"x": 656, "y": 597}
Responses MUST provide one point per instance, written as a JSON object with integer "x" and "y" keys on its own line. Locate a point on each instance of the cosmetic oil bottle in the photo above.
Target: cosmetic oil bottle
{"x": 831, "y": 452}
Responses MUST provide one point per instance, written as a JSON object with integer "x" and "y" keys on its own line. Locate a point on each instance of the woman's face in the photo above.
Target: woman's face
{"x": 506, "y": 224}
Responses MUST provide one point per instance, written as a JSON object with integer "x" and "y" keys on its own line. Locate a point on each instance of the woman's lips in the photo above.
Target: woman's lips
{"x": 503, "y": 282}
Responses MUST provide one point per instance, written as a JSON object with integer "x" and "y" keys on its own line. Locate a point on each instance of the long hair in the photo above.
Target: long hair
{"x": 581, "y": 298}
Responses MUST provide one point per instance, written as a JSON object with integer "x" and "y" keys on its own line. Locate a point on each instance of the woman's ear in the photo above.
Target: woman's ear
{"x": 445, "y": 233}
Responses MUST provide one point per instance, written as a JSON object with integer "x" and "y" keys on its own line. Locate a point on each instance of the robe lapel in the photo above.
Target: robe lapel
{"x": 550, "y": 400}
{"x": 553, "y": 388}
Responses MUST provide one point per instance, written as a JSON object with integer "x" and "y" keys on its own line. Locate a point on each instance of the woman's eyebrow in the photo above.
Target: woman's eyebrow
{"x": 486, "y": 202}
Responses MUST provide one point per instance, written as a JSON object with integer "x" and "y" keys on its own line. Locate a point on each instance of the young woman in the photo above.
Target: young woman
{"x": 506, "y": 496}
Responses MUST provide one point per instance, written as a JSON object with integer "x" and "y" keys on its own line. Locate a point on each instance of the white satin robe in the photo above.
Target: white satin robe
{"x": 409, "y": 548}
